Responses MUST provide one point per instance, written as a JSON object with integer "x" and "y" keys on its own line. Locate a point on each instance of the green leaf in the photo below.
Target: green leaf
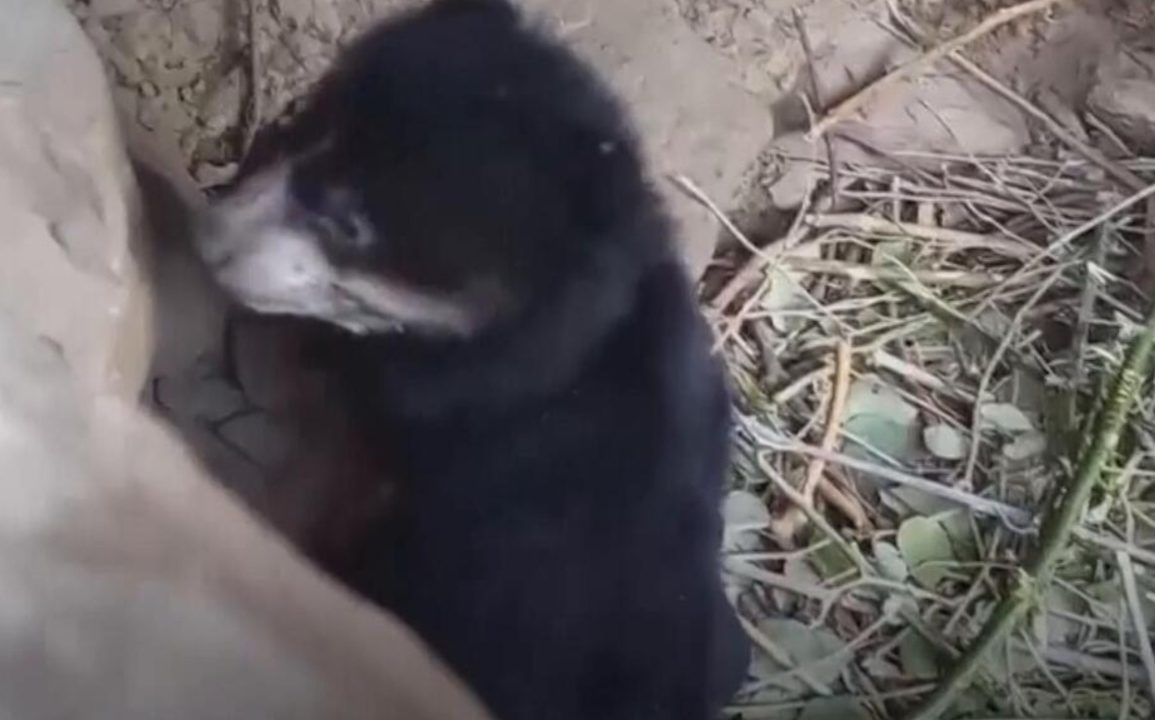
{"x": 962, "y": 538}
{"x": 945, "y": 442}
{"x": 994, "y": 322}
{"x": 888, "y": 252}
{"x": 787, "y": 291}
{"x": 890, "y": 561}
{"x": 833, "y": 708}
{"x": 830, "y": 561}
{"x": 882, "y": 420}
{"x": 924, "y": 543}
{"x": 817, "y": 650}
{"x": 799, "y": 570}
{"x": 906, "y": 502}
{"x": 918, "y": 657}
{"x": 1029, "y": 445}
{"x": 743, "y": 515}
{"x": 1005, "y": 418}
{"x": 918, "y": 502}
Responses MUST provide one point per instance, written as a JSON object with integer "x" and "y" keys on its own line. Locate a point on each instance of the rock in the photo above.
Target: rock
{"x": 293, "y": 13}
{"x": 1127, "y": 106}
{"x": 203, "y": 21}
{"x": 211, "y": 175}
{"x": 69, "y": 205}
{"x": 328, "y": 21}
{"x": 133, "y": 585}
{"x": 146, "y": 35}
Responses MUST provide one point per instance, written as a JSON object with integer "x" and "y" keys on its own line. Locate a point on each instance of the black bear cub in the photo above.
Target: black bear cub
{"x": 519, "y": 346}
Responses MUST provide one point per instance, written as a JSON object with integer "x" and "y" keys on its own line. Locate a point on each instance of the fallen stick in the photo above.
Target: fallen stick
{"x": 814, "y": 472}
{"x": 961, "y": 239}
{"x": 874, "y": 273}
{"x": 785, "y": 527}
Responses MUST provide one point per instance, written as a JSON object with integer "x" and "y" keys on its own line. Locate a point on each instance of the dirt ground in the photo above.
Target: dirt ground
{"x": 205, "y": 74}
{"x": 187, "y": 68}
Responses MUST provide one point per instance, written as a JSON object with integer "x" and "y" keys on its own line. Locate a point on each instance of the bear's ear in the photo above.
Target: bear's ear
{"x": 504, "y": 8}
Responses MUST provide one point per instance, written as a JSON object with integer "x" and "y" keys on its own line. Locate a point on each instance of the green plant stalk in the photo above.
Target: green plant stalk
{"x": 1060, "y": 519}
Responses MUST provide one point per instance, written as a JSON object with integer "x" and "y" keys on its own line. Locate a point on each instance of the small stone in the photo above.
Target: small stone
{"x": 1127, "y": 106}
{"x": 281, "y": 61}
{"x": 147, "y": 36}
{"x": 203, "y": 21}
{"x": 328, "y": 21}
{"x": 293, "y": 13}
{"x": 212, "y": 175}
{"x": 222, "y": 109}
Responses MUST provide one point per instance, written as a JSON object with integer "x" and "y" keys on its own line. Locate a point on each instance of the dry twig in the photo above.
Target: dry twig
{"x": 814, "y": 472}
{"x": 956, "y": 239}
{"x": 883, "y": 274}
{"x": 819, "y": 98}
{"x": 786, "y": 527}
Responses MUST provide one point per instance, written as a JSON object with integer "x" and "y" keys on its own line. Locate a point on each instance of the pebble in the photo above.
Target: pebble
{"x": 212, "y": 175}
{"x": 203, "y": 21}
{"x": 222, "y": 109}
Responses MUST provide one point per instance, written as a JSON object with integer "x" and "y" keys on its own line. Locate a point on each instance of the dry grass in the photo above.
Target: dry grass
{"x": 984, "y": 307}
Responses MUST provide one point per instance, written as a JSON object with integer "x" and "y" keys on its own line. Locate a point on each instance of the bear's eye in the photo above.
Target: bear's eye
{"x": 329, "y": 211}
{"x": 345, "y": 236}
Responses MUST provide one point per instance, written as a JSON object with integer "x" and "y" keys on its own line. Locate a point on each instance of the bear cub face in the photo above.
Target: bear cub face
{"x": 447, "y": 173}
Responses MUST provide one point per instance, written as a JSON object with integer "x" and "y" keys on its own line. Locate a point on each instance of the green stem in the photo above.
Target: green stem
{"x": 1059, "y": 521}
